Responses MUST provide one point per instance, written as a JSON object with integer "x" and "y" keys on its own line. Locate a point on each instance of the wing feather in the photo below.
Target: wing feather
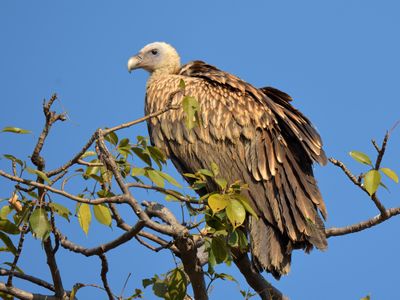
{"x": 254, "y": 135}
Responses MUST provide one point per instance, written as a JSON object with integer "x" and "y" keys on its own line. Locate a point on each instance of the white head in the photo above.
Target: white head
{"x": 157, "y": 57}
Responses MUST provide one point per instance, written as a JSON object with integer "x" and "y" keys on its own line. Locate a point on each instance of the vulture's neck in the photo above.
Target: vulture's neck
{"x": 165, "y": 71}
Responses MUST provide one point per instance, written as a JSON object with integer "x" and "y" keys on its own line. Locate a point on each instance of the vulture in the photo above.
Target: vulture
{"x": 254, "y": 135}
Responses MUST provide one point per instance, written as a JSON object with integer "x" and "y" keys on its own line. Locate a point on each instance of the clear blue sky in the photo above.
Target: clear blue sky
{"x": 338, "y": 59}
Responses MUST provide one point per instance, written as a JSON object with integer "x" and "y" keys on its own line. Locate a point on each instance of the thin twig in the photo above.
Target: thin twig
{"x": 338, "y": 231}
{"x": 140, "y": 120}
{"x": 381, "y": 152}
{"x": 103, "y": 248}
{"x": 104, "y": 271}
{"x": 164, "y": 191}
{"x": 354, "y": 179}
{"x": 16, "y": 256}
{"x": 114, "y": 199}
{"x": 32, "y": 279}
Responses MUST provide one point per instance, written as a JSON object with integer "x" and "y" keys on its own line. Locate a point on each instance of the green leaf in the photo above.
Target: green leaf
{"x": 39, "y": 173}
{"x": 384, "y": 186}
{"x": 243, "y": 242}
{"x": 155, "y": 177}
{"x": 221, "y": 182}
{"x": 112, "y": 138}
{"x": 124, "y": 147}
{"x": 160, "y": 289}
{"x": 157, "y": 154}
{"x": 88, "y": 153}
{"x": 177, "y": 284}
{"x": 147, "y": 281}
{"x": 61, "y": 210}
{"x": 391, "y": 174}
{"x": 371, "y": 181}
{"x": 7, "y": 241}
{"x": 138, "y": 171}
{"x": 102, "y": 214}
{"x": 13, "y": 158}
{"x": 236, "y": 213}
{"x": 233, "y": 239}
{"x": 182, "y": 84}
{"x": 84, "y": 217}
{"x": 361, "y": 157}
{"x": 5, "y": 211}
{"x": 206, "y": 172}
{"x": 190, "y": 175}
{"x": 246, "y": 204}
{"x": 170, "y": 179}
{"x": 219, "y": 249}
{"x": 92, "y": 170}
{"x": 8, "y": 227}
{"x": 214, "y": 168}
{"x": 142, "y": 155}
{"x": 39, "y": 223}
{"x": 225, "y": 276}
{"x": 15, "y": 130}
{"x": 217, "y": 202}
{"x": 190, "y": 107}
{"x": 368, "y": 297}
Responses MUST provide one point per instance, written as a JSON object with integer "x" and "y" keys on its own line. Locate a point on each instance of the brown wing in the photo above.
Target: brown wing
{"x": 255, "y": 136}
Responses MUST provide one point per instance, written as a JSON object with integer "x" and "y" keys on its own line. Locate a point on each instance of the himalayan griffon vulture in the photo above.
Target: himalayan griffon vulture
{"x": 254, "y": 135}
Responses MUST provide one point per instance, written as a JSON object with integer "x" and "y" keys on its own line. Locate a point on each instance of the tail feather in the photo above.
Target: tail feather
{"x": 269, "y": 251}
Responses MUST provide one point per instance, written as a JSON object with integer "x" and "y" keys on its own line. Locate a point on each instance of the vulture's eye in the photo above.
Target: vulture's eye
{"x": 154, "y": 51}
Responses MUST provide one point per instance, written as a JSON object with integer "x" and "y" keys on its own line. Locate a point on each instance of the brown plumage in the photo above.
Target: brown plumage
{"x": 253, "y": 135}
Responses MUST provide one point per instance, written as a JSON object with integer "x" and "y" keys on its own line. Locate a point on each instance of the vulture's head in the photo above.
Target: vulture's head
{"x": 158, "y": 56}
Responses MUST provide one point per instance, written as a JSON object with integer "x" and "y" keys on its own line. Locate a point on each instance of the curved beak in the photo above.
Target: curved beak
{"x": 134, "y": 62}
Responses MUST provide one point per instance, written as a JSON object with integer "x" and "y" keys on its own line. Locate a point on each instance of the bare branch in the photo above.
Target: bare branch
{"x": 55, "y": 272}
{"x": 381, "y": 152}
{"x": 114, "y": 199}
{"x": 104, "y": 271}
{"x": 363, "y": 225}
{"x": 164, "y": 191}
{"x": 85, "y": 163}
{"x": 102, "y": 248}
{"x": 37, "y": 281}
{"x": 51, "y": 118}
{"x": 16, "y": 256}
{"x": 163, "y": 244}
{"x": 75, "y": 159}
{"x": 140, "y": 120}
{"x": 24, "y": 295}
{"x": 354, "y": 179}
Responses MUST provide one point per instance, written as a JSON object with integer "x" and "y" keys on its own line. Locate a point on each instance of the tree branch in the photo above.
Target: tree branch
{"x": 16, "y": 257}
{"x": 353, "y": 178}
{"x": 263, "y": 288}
{"x": 24, "y": 295}
{"x": 333, "y": 231}
{"x": 114, "y": 199}
{"x": 55, "y": 272}
{"x": 102, "y": 248}
{"x": 34, "y": 280}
